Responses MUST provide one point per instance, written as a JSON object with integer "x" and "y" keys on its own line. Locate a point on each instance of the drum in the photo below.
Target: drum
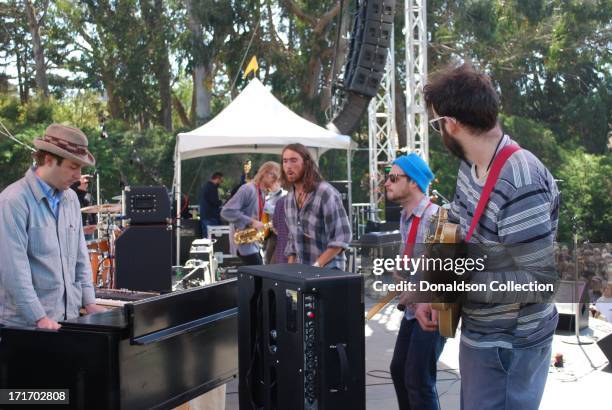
{"x": 100, "y": 269}
{"x": 98, "y": 245}
{"x": 100, "y": 262}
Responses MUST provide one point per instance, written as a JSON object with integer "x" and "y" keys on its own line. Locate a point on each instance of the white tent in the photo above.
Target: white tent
{"x": 255, "y": 122}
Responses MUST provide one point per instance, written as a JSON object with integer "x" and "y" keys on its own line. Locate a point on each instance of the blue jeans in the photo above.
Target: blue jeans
{"x": 413, "y": 367}
{"x": 503, "y": 379}
{"x": 208, "y": 222}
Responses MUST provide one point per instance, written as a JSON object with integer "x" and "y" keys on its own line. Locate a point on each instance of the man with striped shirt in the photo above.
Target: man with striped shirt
{"x": 506, "y": 336}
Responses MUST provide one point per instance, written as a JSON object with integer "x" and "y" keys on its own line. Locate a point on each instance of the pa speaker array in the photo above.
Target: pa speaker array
{"x": 370, "y": 41}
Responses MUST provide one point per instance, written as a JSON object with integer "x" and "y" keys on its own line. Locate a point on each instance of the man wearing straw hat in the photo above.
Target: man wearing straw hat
{"x": 45, "y": 275}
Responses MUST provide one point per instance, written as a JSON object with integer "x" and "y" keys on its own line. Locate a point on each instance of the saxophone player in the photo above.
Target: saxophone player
{"x": 246, "y": 209}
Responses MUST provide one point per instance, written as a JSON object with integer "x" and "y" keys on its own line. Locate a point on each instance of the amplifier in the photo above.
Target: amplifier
{"x": 301, "y": 338}
{"x": 147, "y": 204}
{"x": 143, "y": 257}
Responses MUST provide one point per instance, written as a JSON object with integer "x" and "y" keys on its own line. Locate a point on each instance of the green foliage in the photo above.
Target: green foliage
{"x": 550, "y": 61}
{"x": 536, "y": 138}
{"x": 586, "y": 183}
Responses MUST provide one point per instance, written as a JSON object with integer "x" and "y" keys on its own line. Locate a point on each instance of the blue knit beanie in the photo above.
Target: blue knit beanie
{"x": 416, "y": 169}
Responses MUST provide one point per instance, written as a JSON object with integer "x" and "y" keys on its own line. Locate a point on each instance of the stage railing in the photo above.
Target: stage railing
{"x": 362, "y": 213}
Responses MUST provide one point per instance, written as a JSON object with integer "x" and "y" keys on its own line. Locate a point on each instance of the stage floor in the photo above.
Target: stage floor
{"x": 577, "y": 385}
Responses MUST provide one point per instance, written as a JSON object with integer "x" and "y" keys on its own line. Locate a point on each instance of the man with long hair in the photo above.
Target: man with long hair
{"x": 246, "y": 209}
{"x": 319, "y": 228}
{"x": 504, "y": 197}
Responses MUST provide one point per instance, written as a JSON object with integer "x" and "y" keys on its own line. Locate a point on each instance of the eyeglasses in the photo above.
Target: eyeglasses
{"x": 395, "y": 177}
{"x": 435, "y": 123}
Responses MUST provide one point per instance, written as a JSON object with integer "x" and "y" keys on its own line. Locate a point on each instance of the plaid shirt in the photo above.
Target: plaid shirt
{"x": 320, "y": 224}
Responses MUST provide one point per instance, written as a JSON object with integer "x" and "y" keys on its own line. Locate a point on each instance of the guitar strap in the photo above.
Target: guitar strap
{"x": 260, "y": 204}
{"x": 414, "y": 227}
{"x": 496, "y": 168}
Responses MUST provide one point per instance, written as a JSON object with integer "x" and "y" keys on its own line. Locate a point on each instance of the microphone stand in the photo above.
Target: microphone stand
{"x": 98, "y": 228}
{"x": 576, "y": 305}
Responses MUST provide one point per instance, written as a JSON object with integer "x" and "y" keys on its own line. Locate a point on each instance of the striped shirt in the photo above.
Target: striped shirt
{"x": 522, "y": 209}
{"x": 321, "y": 223}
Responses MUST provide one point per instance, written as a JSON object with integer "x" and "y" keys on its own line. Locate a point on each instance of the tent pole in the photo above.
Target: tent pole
{"x": 350, "y": 186}
{"x": 178, "y": 207}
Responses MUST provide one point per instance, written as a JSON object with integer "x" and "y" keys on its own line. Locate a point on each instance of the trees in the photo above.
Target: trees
{"x": 151, "y": 66}
{"x": 35, "y": 21}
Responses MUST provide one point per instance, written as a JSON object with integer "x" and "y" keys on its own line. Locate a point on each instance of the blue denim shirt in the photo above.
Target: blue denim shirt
{"x": 53, "y": 196}
{"x": 44, "y": 265}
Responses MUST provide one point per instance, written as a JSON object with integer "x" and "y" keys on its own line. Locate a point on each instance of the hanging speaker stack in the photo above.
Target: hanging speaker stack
{"x": 370, "y": 41}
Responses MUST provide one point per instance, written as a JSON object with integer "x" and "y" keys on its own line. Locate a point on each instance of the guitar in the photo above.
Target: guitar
{"x": 438, "y": 231}
{"x": 446, "y": 233}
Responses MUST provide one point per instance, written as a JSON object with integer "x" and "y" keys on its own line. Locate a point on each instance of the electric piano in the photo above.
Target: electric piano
{"x": 154, "y": 353}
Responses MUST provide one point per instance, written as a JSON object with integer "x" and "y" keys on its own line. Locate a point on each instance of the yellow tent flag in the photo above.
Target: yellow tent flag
{"x": 253, "y": 66}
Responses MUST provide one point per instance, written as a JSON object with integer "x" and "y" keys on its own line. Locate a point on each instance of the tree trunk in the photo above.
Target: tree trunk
{"x": 202, "y": 95}
{"x": 340, "y": 59}
{"x": 114, "y": 104}
{"x": 180, "y": 110}
{"x": 320, "y": 26}
{"x": 42, "y": 84}
{"x": 23, "y": 95}
{"x": 200, "y": 103}
{"x": 158, "y": 46}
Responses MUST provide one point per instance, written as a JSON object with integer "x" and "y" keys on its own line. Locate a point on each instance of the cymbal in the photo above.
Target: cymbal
{"x": 103, "y": 209}
{"x": 117, "y": 198}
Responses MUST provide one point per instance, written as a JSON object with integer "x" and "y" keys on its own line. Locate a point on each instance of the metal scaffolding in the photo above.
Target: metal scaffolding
{"x": 416, "y": 76}
{"x": 382, "y": 134}
{"x": 383, "y": 142}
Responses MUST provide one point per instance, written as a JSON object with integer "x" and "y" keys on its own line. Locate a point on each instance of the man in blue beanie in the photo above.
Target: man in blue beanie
{"x": 413, "y": 367}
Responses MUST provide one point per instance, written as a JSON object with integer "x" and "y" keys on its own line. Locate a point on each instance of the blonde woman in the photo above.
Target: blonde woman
{"x": 246, "y": 209}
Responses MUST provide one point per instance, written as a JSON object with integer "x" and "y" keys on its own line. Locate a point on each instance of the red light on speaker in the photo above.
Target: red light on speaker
{"x": 310, "y": 315}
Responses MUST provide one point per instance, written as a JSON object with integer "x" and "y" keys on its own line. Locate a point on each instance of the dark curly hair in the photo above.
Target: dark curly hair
{"x": 464, "y": 94}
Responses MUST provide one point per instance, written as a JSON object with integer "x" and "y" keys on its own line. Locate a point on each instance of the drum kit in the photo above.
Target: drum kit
{"x": 102, "y": 249}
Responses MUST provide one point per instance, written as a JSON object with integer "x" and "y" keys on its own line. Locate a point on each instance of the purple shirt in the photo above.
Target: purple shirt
{"x": 280, "y": 227}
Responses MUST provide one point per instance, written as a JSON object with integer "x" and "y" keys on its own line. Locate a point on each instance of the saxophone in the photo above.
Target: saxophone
{"x": 250, "y": 235}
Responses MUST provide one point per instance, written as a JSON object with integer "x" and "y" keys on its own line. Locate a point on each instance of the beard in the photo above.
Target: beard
{"x": 453, "y": 145}
{"x": 397, "y": 197}
{"x": 296, "y": 177}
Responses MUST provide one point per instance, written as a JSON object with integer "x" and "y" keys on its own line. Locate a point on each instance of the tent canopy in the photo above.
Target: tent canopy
{"x": 256, "y": 122}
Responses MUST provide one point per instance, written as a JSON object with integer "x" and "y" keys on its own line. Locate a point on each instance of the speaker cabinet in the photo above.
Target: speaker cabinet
{"x": 577, "y": 292}
{"x": 147, "y": 205}
{"x": 605, "y": 344}
{"x": 381, "y": 10}
{"x": 143, "y": 257}
{"x": 365, "y": 63}
{"x": 349, "y": 116}
{"x": 301, "y": 344}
